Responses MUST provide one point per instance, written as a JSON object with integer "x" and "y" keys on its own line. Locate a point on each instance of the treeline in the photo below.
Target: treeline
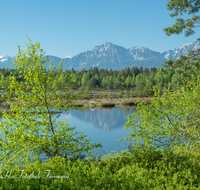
{"x": 140, "y": 80}
{"x": 136, "y": 78}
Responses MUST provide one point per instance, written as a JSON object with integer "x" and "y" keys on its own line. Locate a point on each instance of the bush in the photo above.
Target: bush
{"x": 143, "y": 168}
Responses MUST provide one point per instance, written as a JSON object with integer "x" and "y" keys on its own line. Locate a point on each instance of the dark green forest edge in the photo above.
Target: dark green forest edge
{"x": 139, "y": 80}
{"x": 164, "y": 152}
{"x": 106, "y": 88}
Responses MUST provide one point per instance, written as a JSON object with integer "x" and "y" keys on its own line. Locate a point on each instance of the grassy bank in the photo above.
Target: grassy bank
{"x": 109, "y": 102}
{"x": 98, "y": 99}
{"x": 109, "y": 98}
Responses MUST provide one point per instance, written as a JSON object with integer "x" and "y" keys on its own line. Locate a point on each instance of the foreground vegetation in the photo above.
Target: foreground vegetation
{"x": 165, "y": 134}
{"x": 139, "y": 169}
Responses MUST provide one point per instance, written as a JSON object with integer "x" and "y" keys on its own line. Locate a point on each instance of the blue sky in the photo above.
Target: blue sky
{"x": 69, "y": 27}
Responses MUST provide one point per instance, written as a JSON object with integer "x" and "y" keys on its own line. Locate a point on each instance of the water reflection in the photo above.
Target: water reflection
{"x": 100, "y": 125}
{"x": 104, "y": 119}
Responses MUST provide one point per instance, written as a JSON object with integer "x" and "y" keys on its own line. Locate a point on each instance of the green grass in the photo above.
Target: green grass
{"x": 138, "y": 169}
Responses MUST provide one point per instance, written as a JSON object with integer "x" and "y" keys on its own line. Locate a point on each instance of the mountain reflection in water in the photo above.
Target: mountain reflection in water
{"x": 102, "y": 126}
{"x": 105, "y": 119}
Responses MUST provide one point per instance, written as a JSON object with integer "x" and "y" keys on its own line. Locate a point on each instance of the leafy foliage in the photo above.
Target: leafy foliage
{"x": 31, "y": 129}
{"x": 171, "y": 121}
{"x": 138, "y": 169}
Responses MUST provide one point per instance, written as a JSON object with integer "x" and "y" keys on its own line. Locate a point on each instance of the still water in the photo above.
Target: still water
{"x": 101, "y": 125}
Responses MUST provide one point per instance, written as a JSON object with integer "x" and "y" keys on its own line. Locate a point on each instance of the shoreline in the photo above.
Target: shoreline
{"x": 110, "y": 102}
{"x": 98, "y": 101}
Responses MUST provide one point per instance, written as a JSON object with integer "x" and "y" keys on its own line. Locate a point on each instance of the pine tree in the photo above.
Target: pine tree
{"x": 187, "y": 67}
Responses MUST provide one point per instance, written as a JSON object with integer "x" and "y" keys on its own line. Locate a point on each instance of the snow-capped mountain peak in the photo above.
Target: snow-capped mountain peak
{"x": 105, "y": 47}
{"x": 183, "y": 50}
{"x": 68, "y": 57}
{"x": 3, "y": 58}
{"x": 111, "y": 56}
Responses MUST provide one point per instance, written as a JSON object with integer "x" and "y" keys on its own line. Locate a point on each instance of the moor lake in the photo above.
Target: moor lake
{"x": 101, "y": 125}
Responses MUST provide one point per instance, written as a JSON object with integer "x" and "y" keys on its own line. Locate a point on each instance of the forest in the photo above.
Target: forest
{"x": 136, "y": 80}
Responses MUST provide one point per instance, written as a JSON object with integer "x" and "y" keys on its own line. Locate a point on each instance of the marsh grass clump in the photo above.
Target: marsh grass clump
{"x": 128, "y": 103}
{"x": 106, "y": 105}
{"x": 120, "y": 93}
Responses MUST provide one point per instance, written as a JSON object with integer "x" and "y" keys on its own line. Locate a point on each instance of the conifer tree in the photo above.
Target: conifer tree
{"x": 187, "y": 67}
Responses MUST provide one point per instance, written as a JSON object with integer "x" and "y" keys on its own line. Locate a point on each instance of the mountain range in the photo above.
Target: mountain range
{"x": 113, "y": 57}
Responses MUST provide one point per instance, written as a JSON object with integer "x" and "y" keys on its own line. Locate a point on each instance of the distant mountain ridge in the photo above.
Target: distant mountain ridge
{"x": 111, "y": 56}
